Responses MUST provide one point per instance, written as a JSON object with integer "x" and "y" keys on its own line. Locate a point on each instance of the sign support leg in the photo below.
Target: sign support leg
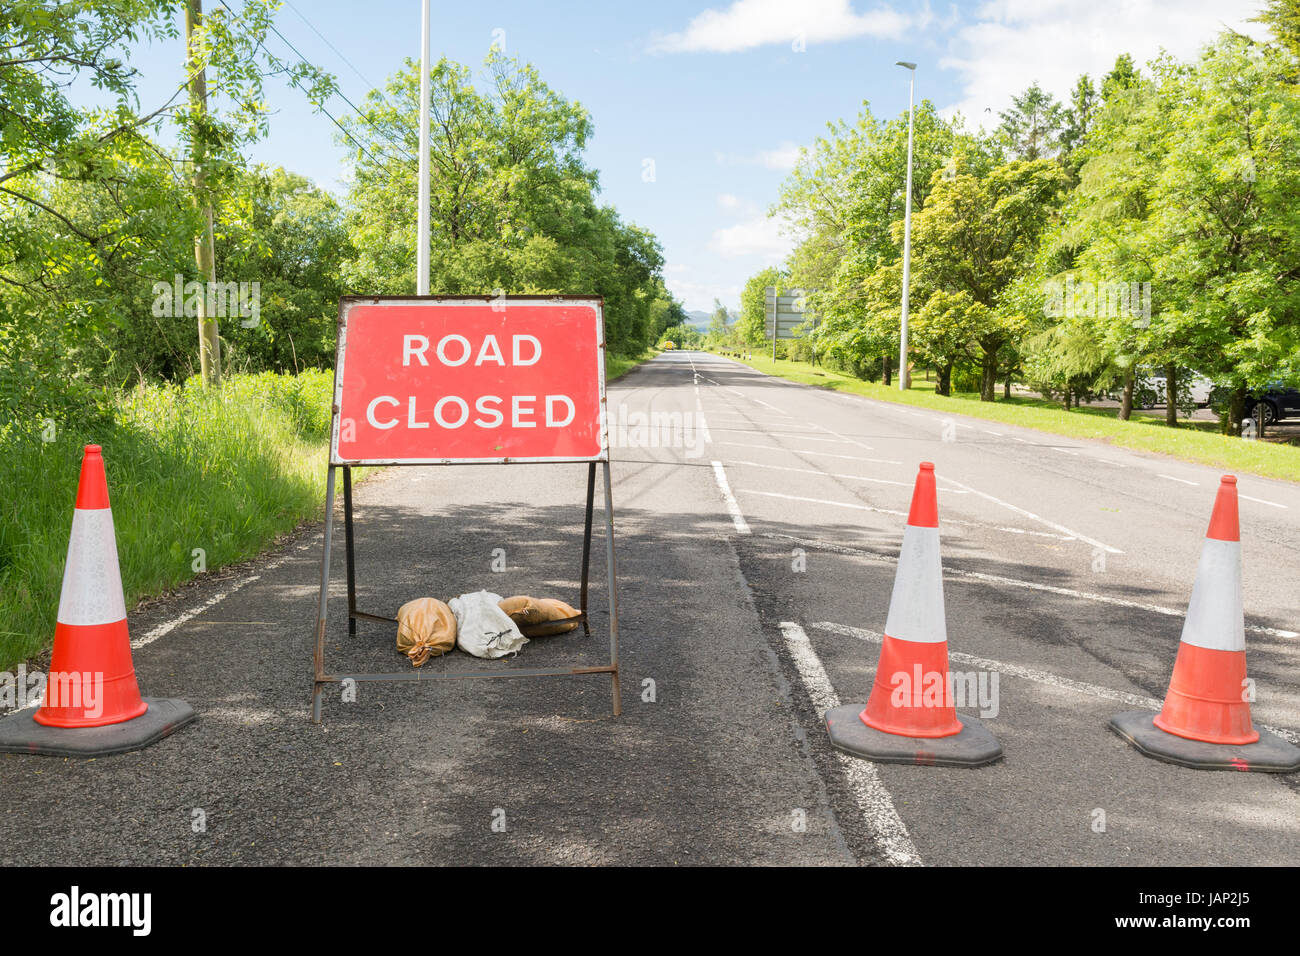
{"x": 318, "y": 654}
{"x": 613, "y": 589}
{"x": 347, "y": 538}
{"x": 586, "y": 544}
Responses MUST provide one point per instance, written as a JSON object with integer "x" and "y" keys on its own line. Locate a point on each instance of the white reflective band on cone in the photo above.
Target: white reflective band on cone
{"x": 916, "y": 606}
{"x": 92, "y": 581}
{"x": 1215, "y": 618}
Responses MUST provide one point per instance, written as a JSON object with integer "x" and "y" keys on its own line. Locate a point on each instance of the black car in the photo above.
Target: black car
{"x": 1278, "y": 401}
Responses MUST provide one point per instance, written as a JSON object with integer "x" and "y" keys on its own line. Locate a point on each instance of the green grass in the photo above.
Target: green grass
{"x": 224, "y": 470}
{"x": 1198, "y": 442}
{"x": 619, "y": 365}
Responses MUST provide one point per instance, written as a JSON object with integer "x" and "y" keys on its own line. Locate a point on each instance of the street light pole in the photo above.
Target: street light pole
{"x": 904, "y": 379}
{"x": 422, "y": 247}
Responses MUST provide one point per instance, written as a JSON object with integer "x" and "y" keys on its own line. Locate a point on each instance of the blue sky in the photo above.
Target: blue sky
{"x": 719, "y": 96}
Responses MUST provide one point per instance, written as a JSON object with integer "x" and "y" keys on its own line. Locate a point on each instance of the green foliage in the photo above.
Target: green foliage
{"x": 513, "y": 203}
{"x": 1174, "y": 186}
{"x": 225, "y": 470}
{"x": 287, "y": 235}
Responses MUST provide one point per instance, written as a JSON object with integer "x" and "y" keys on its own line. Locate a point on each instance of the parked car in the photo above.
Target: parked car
{"x": 1278, "y": 402}
{"x": 1152, "y": 390}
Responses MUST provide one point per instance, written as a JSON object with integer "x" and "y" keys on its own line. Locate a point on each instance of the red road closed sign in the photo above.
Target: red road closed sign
{"x": 435, "y": 380}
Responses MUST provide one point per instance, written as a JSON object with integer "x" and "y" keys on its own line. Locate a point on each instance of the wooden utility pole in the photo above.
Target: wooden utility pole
{"x": 204, "y": 252}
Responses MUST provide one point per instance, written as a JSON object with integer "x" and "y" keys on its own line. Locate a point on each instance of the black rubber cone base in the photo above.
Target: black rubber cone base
{"x": 975, "y": 746}
{"x": 20, "y": 734}
{"x": 1269, "y": 754}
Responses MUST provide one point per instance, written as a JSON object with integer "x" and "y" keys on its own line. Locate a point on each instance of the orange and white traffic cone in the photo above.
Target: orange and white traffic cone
{"x": 92, "y": 702}
{"x": 1205, "y": 722}
{"x": 911, "y": 715}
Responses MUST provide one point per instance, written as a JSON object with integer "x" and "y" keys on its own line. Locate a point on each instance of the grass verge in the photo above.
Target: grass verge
{"x": 225, "y": 470}
{"x": 1197, "y": 442}
{"x": 618, "y": 365}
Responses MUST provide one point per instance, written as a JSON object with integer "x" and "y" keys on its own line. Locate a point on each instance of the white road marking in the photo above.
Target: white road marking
{"x": 1018, "y": 583}
{"x": 834, "y": 474}
{"x": 799, "y": 435}
{"x": 988, "y": 431}
{"x": 800, "y": 451}
{"x": 843, "y": 438}
{"x": 1029, "y": 514}
{"x": 165, "y": 628}
{"x": 857, "y": 506}
{"x": 877, "y": 806}
{"x": 1261, "y": 501}
{"x": 733, "y": 506}
{"x": 1194, "y": 484}
{"x": 1041, "y": 677}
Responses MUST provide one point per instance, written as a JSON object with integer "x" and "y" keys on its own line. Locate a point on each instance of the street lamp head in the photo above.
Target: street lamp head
{"x": 910, "y": 66}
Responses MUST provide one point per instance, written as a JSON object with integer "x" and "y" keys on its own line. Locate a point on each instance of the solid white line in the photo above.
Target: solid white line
{"x": 1029, "y": 514}
{"x": 1041, "y": 677}
{"x": 1261, "y": 501}
{"x": 1194, "y": 484}
{"x": 733, "y": 506}
{"x": 1017, "y": 583}
{"x": 873, "y": 799}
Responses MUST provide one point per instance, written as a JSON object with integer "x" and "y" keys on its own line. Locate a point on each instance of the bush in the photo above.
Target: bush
{"x": 225, "y": 470}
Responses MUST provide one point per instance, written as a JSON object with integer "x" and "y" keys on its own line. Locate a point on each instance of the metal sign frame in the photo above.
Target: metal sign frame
{"x": 321, "y": 676}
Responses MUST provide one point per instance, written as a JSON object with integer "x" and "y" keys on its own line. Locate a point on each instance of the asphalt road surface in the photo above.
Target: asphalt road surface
{"x": 755, "y": 563}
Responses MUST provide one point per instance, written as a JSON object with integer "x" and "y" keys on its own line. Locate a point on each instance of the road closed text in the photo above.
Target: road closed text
{"x": 482, "y": 411}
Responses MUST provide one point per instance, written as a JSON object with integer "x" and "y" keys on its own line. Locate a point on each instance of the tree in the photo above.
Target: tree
{"x": 1283, "y": 19}
{"x": 91, "y": 206}
{"x": 1033, "y": 126}
{"x": 1078, "y": 122}
{"x": 751, "y": 326}
{"x": 513, "y": 203}
{"x": 975, "y": 236}
{"x": 291, "y": 236}
{"x": 1189, "y": 187}
{"x": 847, "y": 199}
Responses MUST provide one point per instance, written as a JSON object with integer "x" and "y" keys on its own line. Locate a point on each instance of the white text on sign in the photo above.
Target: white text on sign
{"x": 452, "y": 411}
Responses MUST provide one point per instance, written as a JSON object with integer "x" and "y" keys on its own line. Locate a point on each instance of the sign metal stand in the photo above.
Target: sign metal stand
{"x": 345, "y": 464}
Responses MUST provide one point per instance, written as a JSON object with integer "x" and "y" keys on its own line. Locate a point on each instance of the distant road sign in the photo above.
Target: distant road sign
{"x": 449, "y": 379}
{"x": 785, "y": 312}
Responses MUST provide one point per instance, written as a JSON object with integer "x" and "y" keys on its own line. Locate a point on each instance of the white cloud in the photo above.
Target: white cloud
{"x": 699, "y": 296}
{"x": 1010, "y": 44}
{"x": 781, "y": 159}
{"x": 758, "y": 236}
{"x": 747, "y": 24}
{"x": 736, "y": 205}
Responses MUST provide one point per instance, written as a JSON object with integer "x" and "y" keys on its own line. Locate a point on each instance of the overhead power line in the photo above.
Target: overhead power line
{"x": 320, "y": 106}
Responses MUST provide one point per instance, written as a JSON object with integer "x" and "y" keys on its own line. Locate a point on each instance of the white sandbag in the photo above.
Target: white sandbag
{"x": 482, "y": 628}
